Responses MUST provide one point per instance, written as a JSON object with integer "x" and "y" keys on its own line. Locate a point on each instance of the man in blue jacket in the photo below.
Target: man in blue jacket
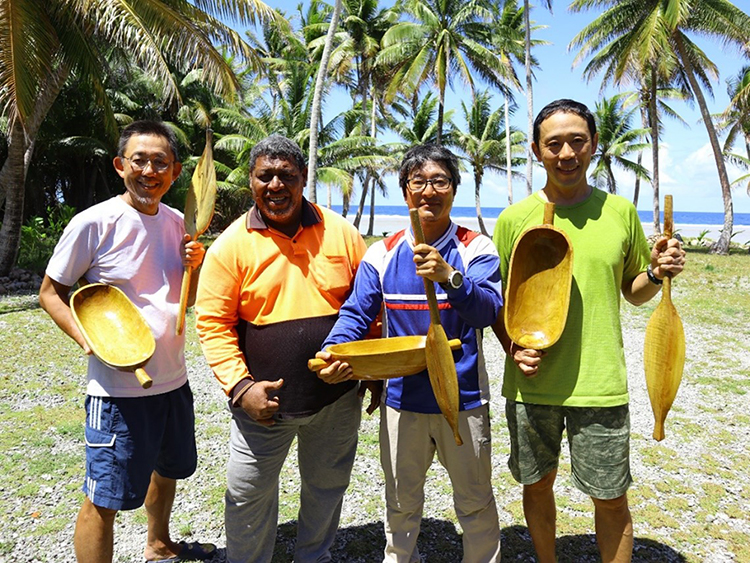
{"x": 464, "y": 265}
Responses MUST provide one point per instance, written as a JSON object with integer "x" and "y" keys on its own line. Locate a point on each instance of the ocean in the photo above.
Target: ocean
{"x": 392, "y": 218}
{"x": 680, "y": 217}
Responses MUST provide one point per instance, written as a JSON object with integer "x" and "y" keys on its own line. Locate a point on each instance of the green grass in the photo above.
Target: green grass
{"x": 42, "y": 443}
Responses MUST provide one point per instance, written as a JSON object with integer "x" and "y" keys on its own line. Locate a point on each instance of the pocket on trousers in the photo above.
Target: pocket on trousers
{"x": 98, "y": 439}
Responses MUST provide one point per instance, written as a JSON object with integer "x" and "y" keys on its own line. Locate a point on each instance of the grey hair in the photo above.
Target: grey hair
{"x": 278, "y": 146}
{"x": 148, "y": 127}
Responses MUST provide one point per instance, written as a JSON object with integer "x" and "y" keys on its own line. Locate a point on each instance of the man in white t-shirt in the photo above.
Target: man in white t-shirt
{"x": 138, "y": 441}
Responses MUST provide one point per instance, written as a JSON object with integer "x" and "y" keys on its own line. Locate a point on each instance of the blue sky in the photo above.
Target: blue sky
{"x": 687, "y": 168}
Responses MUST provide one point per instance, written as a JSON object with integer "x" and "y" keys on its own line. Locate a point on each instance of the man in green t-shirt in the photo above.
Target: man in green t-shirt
{"x": 579, "y": 383}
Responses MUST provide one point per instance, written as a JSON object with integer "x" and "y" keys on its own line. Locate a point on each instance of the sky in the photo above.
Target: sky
{"x": 687, "y": 168}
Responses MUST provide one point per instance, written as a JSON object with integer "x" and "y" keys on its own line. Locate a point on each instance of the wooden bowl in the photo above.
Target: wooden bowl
{"x": 381, "y": 358}
{"x": 540, "y": 278}
{"x": 113, "y": 328}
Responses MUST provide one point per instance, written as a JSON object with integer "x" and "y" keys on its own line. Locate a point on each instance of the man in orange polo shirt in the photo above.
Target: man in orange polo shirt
{"x": 270, "y": 291}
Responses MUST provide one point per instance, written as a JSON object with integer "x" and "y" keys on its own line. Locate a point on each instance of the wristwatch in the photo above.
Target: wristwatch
{"x": 455, "y": 280}
{"x": 652, "y": 277}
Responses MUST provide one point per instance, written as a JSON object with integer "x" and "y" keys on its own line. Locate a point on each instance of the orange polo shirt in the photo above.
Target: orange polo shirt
{"x": 262, "y": 295}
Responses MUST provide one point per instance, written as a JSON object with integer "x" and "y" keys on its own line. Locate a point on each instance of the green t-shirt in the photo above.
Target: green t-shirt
{"x": 586, "y": 367}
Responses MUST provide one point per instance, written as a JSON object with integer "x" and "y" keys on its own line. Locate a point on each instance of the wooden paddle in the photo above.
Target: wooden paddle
{"x": 664, "y": 347}
{"x": 440, "y": 365}
{"x": 540, "y": 277}
{"x": 199, "y": 209}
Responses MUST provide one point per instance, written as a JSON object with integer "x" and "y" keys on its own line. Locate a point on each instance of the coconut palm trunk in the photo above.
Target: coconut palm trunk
{"x": 721, "y": 246}
{"x": 13, "y": 173}
{"x": 644, "y": 124}
{"x": 529, "y": 98}
{"x": 507, "y": 152}
{"x": 654, "y": 124}
{"x": 477, "y": 203}
{"x": 317, "y": 104}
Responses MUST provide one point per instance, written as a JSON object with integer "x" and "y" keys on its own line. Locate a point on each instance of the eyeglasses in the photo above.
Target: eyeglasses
{"x": 138, "y": 163}
{"x": 439, "y": 184}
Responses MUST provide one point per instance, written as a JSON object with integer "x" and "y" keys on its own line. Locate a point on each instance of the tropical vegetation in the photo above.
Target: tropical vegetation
{"x": 354, "y": 82}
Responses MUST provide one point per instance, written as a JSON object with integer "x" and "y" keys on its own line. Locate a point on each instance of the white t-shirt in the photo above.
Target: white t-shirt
{"x": 113, "y": 243}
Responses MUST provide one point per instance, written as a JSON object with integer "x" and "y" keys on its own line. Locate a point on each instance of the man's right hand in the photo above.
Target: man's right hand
{"x": 260, "y": 401}
{"x": 526, "y": 359}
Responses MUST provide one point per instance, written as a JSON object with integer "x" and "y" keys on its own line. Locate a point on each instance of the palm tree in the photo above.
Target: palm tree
{"x": 508, "y": 40}
{"x": 44, "y": 42}
{"x": 483, "y": 143}
{"x": 317, "y": 102}
{"x": 735, "y": 120}
{"x": 447, "y": 38}
{"x": 529, "y": 91}
{"x": 616, "y": 140}
{"x": 666, "y": 24}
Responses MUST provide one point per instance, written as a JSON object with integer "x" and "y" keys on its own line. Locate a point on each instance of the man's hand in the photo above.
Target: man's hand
{"x": 376, "y": 390}
{"x": 667, "y": 257}
{"x": 260, "y": 401}
{"x": 430, "y": 264}
{"x": 526, "y": 359}
{"x": 335, "y": 372}
{"x": 192, "y": 252}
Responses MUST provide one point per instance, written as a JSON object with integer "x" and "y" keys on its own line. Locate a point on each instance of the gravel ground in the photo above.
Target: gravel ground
{"x": 690, "y": 499}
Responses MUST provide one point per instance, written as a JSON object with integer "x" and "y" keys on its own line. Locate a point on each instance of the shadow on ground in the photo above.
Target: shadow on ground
{"x": 440, "y": 542}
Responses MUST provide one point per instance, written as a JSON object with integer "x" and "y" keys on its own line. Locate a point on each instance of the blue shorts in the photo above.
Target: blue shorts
{"x": 129, "y": 438}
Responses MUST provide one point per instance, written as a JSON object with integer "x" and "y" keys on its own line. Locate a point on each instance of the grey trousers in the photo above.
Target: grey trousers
{"x": 326, "y": 446}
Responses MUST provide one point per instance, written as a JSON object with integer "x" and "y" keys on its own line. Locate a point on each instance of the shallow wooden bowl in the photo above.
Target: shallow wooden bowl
{"x": 113, "y": 328}
{"x": 540, "y": 278}
{"x": 381, "y": 358}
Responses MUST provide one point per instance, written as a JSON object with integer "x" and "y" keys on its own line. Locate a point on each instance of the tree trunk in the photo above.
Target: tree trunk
{"x": 529, "y": 98}
{"x": 477, "y": 186}
{"x": 362, "y": 199}
{"x": 721, "y": 246}
{"x": 345, "y": 204}
{"x": 371, "y": 226}
{"x": 315, "y": 114}
{"x": 13, "y": 172}
{"x": 507, "y": 153}
{"x": 644, "y": 125}
{"x": 654, "y": 122}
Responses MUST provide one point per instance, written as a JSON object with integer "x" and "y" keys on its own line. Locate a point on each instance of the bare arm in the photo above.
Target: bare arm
{"x": 53, "y": 297}
{"x": 667, "y": 258}
{"x": 526, "y": 359}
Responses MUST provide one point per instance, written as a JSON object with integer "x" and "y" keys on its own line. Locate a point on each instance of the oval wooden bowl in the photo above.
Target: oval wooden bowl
{"x": 381, "y": 358}
{"x": 113, "y": 328}
{"x": 540, "y": 278}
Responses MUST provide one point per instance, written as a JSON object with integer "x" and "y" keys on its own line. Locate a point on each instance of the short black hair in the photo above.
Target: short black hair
{"x": 565, "y": 105}
{"x": 278, "y": 146}
{"x": 418, "y": 156}
{"x": 149, "y": 127}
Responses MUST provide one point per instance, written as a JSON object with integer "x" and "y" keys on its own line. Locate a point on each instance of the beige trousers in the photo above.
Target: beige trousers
{"x": 408, "y": 442}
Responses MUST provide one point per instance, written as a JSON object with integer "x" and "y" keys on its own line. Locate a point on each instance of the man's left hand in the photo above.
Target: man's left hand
{"x": 667, "y": 257}
{"x": 376, "y": 390}
{"x": 193, "y": 252}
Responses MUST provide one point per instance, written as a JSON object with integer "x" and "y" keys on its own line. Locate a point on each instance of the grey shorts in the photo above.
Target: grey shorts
{"x": 598, "y": 438}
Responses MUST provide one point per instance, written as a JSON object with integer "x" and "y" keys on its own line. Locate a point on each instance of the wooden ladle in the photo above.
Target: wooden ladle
{"x": 381, "y": 358}
{"x": 540, "y": 278}
{"x": 114, "y": 329}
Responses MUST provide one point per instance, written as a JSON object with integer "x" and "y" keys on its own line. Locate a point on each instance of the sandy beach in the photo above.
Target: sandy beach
{"x": 391, "y": 223}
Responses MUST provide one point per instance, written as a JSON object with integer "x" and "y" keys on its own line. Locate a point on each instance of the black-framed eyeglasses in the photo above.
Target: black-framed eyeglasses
{"x": 158, "y": 163}
{"x": 439, "y": 184}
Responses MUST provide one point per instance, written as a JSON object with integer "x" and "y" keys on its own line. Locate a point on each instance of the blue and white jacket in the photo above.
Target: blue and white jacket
{"x": 387, "y": 279}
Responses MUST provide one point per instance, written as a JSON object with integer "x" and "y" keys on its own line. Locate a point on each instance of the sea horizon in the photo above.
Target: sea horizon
{"x": 392, "y": 218}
